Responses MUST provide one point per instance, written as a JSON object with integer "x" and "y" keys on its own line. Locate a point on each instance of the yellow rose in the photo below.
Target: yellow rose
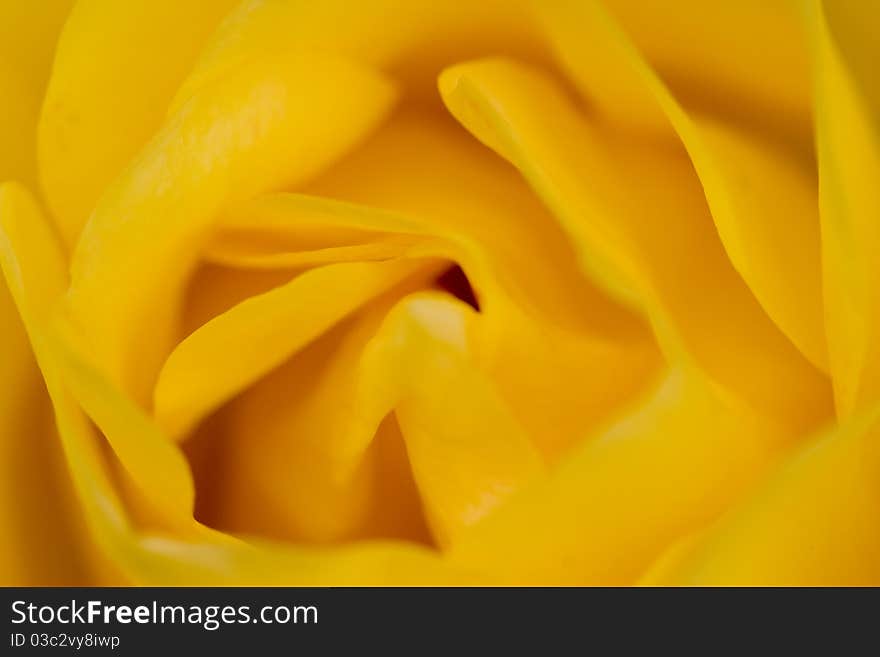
{"x": 550, "y": 292}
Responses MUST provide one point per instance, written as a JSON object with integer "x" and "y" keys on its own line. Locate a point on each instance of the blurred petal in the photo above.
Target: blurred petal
{"x": 34, "y": 268}
{"x": 252, "y": 132}
{"x": 707, "y": 53}
{"x": 411, "y": 41}
{"x": 169, "y": 562}
{"x": 302, "y": 438}
{"x": 192, "y": 554}
{"x": 670, "y": 560}
{"x": 42, "y": 543}
{"x": 656, "y": 234}
{"x": 852, "y": 27}
{"x": 848, "y": 142}
{"x": 813, "y": 523}
{"x": 35, "y": 272}
{"x": 156, "y": 466}
{"x": 34, "y": 256}
{"x": 550, "y": 340}
{"x": 765, "y": 205}
{"x": 263, "y": 332}
{"x": 761, "y": 191}
{"x": 239, "y": 250}
{"x": 28, "y": 32}
{"x": 280, "y": 447}
{"x": 661, "y": 471}
{"x": 562, "y": 385}
{"x": 32, "y": 260}
{"x": 465, "y": 193}
{"x": 467, "y": 451}
{"x": 549, "y": 333}
{"x": 117, "y": 67}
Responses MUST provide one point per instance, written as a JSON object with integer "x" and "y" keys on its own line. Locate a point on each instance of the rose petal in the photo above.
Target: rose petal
{"x": 468, "y": 452}
{"x": 563, "y": 355}
{"x": 245, "y": 250}
{"x": 661, "y": 471}
{"x": 275, "y": 121}
{"x": 262, "y": 332}
{"x": 410, "y": 41}
{"x": 32, "y": 256}
{"x": 35, "y": 272}
{"x": 27, "y": 40}
{"x": 848, "y": 141}
{"x": 657, "y": 233}
{"x": 34, "y": 484}
{"x": 117, "y": 67}
{"x": 282, "y": 448}
{"x": 299, "y": 462}
{"x": 762, "y": 194}
{"x": 813, "y": 523}
{"x": 746, "y": 58}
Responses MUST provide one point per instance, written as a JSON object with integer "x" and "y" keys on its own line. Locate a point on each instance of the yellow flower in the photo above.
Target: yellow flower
{"x": 557, "y": 292}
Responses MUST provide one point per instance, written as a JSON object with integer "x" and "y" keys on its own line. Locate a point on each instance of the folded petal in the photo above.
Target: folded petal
{"x": 117, "y": 66}
{"x": 411, "y": 41}
{"x": 155, "y": 466}
{"x": 759, "y": 185}
{"x": 35, "y": 272}
{"x": 263, "y": 331}
{"x": 848, "y": 143}
{"x": 273, "y": 122}
{"x": 28, "y": 33}
{"x": 661, "y": 471}
{"x": 167, "y": 561}
{"x": 300, "y": 457}
{"x": 34, "y": 483}
{"x": 708, "y": 54}
{"x": 562, "y": 354}
{"x": 282, "y": 449}
{"x": 468, "y": 452}
{"x": 637, "y": 213}
{"x": 812, "y": 523}
{"x": 242, "y": 250}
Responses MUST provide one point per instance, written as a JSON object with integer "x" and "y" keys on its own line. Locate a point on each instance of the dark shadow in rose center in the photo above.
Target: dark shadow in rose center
{"x": 455, "y": 282}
